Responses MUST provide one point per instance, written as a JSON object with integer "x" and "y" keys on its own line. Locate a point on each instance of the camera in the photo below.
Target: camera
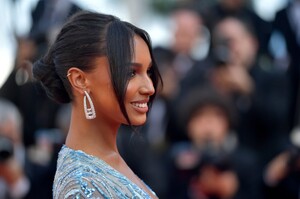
{"x": 6, "y": 149}
{"x": 216, "y": 157}
{"x": 221, "y": 51}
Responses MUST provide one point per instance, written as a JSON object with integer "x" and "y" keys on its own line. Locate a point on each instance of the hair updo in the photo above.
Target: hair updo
{"x": 86, "y": 36}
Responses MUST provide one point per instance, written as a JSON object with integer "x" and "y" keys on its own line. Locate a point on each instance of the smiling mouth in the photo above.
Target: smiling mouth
{"x": 140, "y": 105}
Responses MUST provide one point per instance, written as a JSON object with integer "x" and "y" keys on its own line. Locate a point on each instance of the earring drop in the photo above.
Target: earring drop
{"x": 90, "y": 112}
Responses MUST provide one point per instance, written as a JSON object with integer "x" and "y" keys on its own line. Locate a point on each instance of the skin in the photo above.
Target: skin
{"x": 187, "y": 30}
{"x": 234, "y": 77}
{"x": 212, "y": 181}
{"x": 97, "y": 137}
{"x": 208, "y": 124}
{"x": 233, "y": 4}
{"x": 277, "y": 169}
{"x": 11, "y": 170}
{"x": 242, "y": 45}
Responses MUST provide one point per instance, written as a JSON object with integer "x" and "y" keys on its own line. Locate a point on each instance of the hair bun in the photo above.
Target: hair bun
{"x": 44, "y": 71}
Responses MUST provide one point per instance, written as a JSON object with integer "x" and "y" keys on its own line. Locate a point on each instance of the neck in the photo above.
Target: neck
{"x": 96, "y": 137}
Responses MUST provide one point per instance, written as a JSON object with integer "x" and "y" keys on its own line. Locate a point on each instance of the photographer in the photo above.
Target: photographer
{"x": 282, "y": 174}
{"x": 14, "y": 184}
{"x": 258, "y": 90}
{"x": 211, "y": 163}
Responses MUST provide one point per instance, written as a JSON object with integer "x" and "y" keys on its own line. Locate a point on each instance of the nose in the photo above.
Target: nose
{"x": 147, "y": 87}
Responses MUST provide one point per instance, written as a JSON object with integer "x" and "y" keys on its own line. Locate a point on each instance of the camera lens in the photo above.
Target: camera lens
{"x": 6, "y": 149}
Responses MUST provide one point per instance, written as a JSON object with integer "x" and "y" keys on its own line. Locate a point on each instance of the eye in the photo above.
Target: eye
{"x": 132, "y": 73}
{"x": 150, "y": 71}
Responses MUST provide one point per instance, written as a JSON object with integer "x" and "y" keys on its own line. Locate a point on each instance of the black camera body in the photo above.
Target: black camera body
{"x": 6, "y": 148}
{"x": 216, "y": 157}
{"x": 221, "y": 51}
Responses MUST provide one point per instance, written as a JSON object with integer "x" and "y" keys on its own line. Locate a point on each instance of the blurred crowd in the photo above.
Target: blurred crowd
{"x": 224, "y": 125}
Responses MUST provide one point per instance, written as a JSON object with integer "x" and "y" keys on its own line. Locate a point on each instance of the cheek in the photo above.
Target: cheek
{"x": 197, "y": 129}
{"x": 106, "y": 103}
{"x": 131, "y": 91}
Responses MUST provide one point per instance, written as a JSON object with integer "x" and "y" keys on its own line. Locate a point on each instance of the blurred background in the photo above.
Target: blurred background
{"x": 225, "y": 124}
{"x": 17, "y": 19}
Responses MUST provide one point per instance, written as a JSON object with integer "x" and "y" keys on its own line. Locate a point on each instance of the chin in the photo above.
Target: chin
{"x": 138, "y": 121}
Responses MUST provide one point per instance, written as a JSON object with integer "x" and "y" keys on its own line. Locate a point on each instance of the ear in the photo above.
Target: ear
{"x": 77, "y": 79}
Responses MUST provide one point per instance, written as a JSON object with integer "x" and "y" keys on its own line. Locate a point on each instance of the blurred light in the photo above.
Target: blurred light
{"x": 7, "y": 62}
{"x": 113, "y": 7}
{"x": 266, "y": 9}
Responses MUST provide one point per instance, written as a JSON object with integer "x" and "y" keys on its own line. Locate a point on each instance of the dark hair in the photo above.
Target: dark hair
{"x": 201, "y": 97}
{"x": 244, "y": 21}
{"x": 86, "y": 36}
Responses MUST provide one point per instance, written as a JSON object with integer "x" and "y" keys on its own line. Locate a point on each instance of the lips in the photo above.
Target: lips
{"x": 140, "y": 106}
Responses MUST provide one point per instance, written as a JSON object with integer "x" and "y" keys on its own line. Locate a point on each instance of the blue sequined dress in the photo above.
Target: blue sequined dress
{"x": 80, "y": 175}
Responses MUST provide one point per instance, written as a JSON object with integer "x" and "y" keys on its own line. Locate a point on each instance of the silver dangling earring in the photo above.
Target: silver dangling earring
{"x": 90, "y": 112}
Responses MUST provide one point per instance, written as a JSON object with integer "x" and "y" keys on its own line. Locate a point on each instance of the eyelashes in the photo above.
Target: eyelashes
{"x": 132, "y": 73}
{"x": 150, "y": 71}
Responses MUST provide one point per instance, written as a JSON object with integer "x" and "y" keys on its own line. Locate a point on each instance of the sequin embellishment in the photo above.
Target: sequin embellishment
{"x": 80, "y": 175}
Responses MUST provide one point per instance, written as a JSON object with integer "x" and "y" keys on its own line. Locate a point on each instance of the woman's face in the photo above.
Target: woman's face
{"x": 139, "y": 89}
{"x": 140, "y": 86}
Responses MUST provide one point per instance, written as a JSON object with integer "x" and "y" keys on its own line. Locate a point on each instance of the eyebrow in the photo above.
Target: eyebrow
{"x": 139, "y": 64}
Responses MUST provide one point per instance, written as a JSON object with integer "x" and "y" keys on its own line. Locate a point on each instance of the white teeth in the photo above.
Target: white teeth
{"x": 140, "y": 105}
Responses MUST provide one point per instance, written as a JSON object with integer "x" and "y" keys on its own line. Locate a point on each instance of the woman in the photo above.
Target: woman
{"x": 105, "y": 68}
